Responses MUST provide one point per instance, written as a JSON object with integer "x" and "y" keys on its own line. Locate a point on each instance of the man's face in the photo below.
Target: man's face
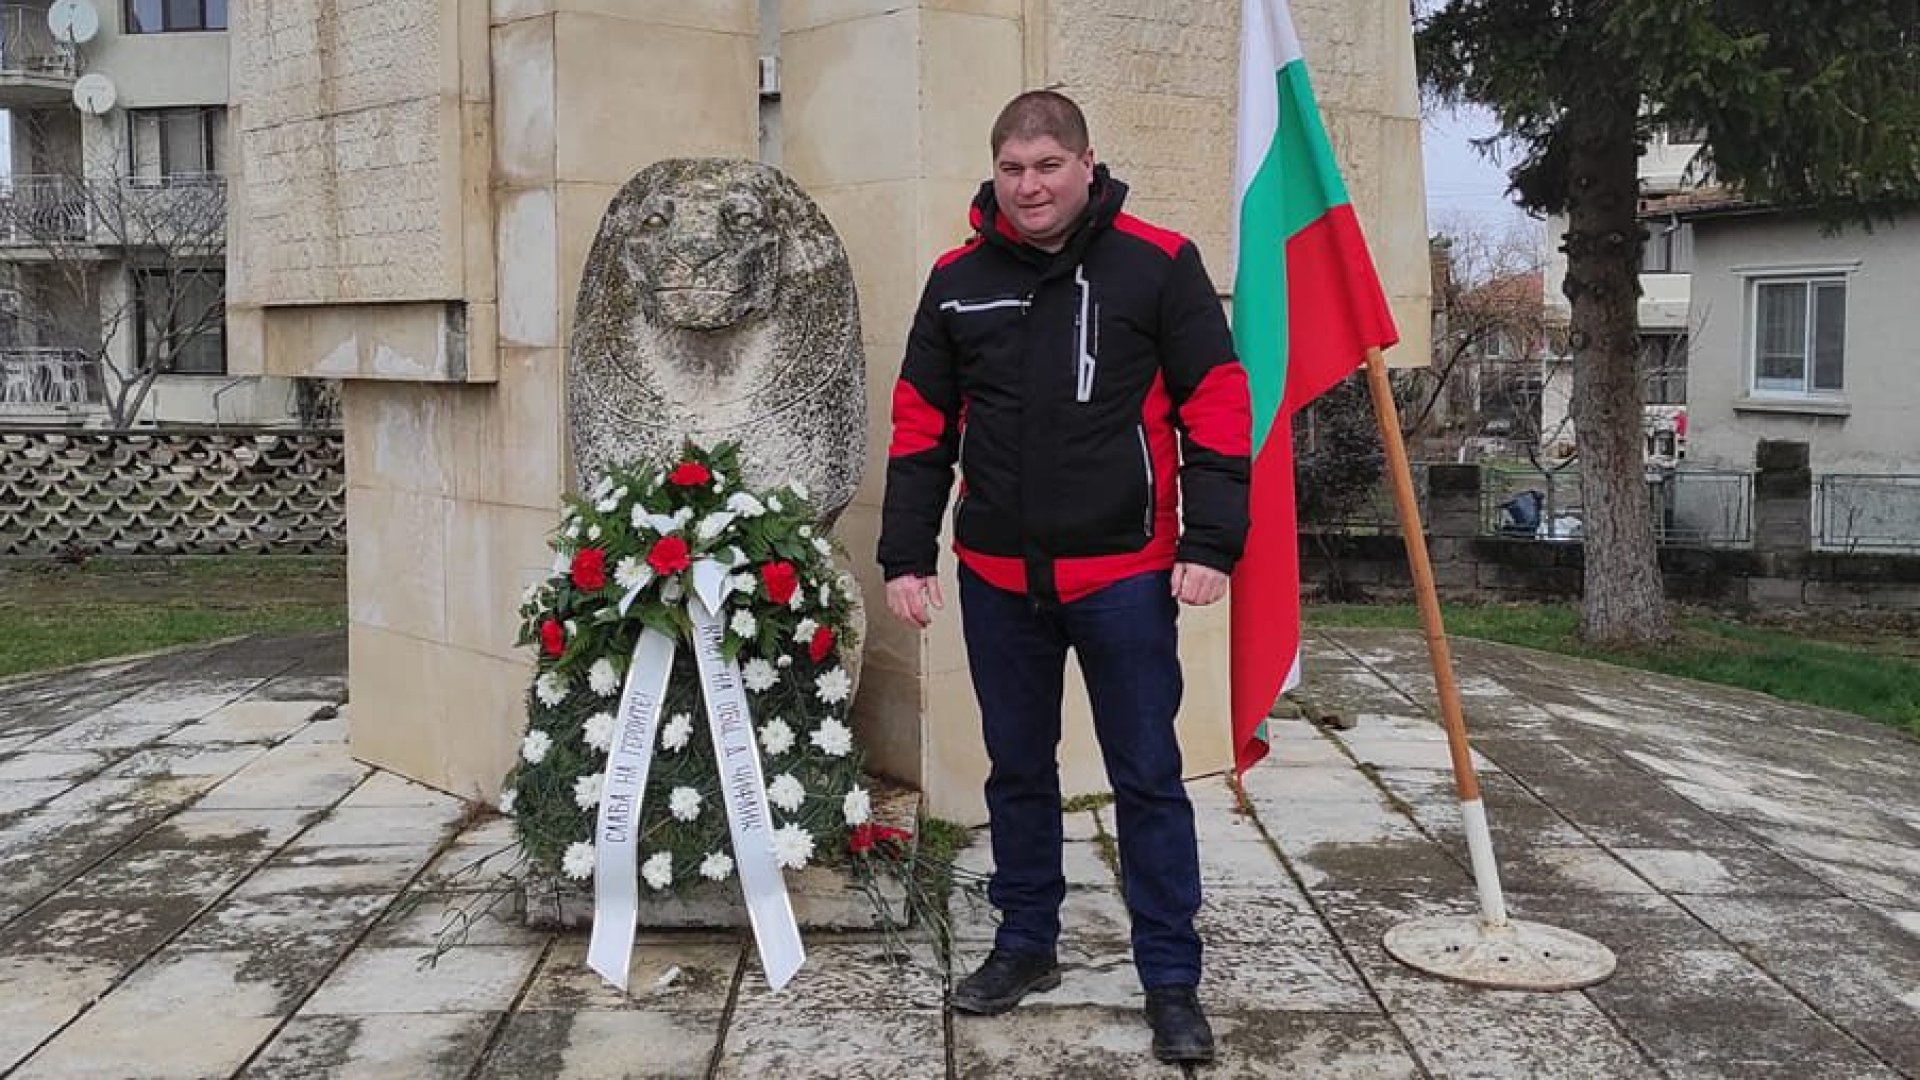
{"x": 1041, "y": 187}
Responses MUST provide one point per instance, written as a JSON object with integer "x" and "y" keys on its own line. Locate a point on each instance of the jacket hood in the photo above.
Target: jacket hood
{"x": 1106, "y": 195}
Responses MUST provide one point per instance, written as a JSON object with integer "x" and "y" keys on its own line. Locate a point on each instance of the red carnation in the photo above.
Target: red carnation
{"x": 861, "y": 840}
{"x": 669, "y": 556}
{"x": 821, "y": 645}
{"x": 780, "y": 580}
{"x": 689, "y": 474}
{"x": 589, "y": 570}
{"x": 553, "y": 637}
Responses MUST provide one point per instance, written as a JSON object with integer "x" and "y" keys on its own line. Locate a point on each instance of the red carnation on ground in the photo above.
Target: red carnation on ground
{"x": 780, "y": 580}
{"x": 860, "y": 841}
{"x": 689, "y": 474}
{"x": 865, "y": 837}
{"x": 589, "y": 570}
{"x": 553, "y": 637}
{"x": 669, "y": 556}
{"x": 821, "y": 645}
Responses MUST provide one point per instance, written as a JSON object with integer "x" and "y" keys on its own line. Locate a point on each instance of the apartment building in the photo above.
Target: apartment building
{"x": 113, "y": 218}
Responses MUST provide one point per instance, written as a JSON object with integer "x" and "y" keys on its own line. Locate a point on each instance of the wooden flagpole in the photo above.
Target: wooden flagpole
{"x": 1492, "y": 950}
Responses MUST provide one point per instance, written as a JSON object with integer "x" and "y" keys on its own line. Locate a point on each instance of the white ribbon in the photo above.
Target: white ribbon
{"x": 616, "y": 882}
{"x": 616, "y": 832}
{"x": 769, "y": 910}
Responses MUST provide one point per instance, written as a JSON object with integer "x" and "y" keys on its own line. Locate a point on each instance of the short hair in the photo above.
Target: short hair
{"x": 1038, "y": 113}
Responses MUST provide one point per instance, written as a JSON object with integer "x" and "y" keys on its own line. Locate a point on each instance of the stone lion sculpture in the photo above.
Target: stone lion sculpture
{"x": 717, "y": 303}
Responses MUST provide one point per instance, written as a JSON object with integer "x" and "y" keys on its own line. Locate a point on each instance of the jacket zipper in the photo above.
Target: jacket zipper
{"x": 1146, "y": 462}
{"x": 1083, "y": 329}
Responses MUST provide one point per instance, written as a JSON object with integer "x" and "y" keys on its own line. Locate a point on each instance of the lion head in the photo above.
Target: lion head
{"x": 717, "y": 303}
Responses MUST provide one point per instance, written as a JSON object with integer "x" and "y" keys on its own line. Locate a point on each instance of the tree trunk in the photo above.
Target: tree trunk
{"x": 1624, "y": 602}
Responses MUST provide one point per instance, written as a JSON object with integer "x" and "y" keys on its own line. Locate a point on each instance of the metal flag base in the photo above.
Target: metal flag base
{"x": 1513, "y": 955}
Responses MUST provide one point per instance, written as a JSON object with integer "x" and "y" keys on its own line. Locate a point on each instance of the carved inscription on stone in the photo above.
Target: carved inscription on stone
{"x": 717, "y": 304}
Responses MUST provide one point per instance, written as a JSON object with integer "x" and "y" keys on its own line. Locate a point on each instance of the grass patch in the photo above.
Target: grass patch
{"x": 1872, "y": 674}
{"x": 1092, "y": 800}
{"x": 53, "y": 615}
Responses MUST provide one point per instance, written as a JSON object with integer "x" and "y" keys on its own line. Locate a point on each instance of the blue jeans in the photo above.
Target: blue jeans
{"x": 1125, "y": 638}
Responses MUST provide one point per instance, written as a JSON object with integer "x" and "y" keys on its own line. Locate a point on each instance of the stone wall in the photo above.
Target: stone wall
{"x": 172, "y": 492}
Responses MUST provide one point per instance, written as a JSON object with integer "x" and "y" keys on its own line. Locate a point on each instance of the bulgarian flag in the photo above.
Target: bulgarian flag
{"x": 1306, "y": 308}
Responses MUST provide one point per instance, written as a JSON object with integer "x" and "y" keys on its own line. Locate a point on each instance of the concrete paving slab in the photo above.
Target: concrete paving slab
{"x": 263, "y": 921}
{"x": 1042, "y": 1044}
{"x": 1462, "y": 1032}
{"x": 51, "y": 765}
{"x": 415, "y": 1046}
{"x": 41, "y": 994}
{"x": 625, "y": 1045}
{"x": 289, "y": 776}
{"x": 136, "y": 1029}
{"x": 878, "y": 1045}
{"x": 21, "y": 795}
{"x": 1326, "y": 1046}
{"x": 473, "y": 978}
{"x": 378, "y": 826}
{"x": 691, "y": 976}
{"x": 249, "y": 721}
{"x": 865, "y": 977}
{"x": 123, "y": 930}
{"x": 455, "y": 919}
{"x": 1722, "y": 873}
{"x": 392, "y": 791}
{"x": 363, "y": 868}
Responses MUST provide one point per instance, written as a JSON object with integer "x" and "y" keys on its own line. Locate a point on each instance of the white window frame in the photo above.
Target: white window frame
{"x": 1809, "y": 276}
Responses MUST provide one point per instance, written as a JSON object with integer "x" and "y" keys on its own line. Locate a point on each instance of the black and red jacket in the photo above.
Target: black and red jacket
{"x": 1072, "y": 389}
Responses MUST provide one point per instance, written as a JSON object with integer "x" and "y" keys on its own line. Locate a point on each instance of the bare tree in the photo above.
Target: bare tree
{"x": 1489, "y": 332}
{"x": 126, "y": 272}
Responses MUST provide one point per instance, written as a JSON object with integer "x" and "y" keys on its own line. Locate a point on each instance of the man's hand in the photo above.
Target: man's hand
{"x": 1192, "y": 584}
{"x": 914, "y": 599}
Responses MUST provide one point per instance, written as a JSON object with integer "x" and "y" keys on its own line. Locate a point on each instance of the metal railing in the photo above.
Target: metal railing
{"x": 1702, "y": 507}
{"x": 1521, "y": 501}
{"x": 1867, "y": 512}
{"x": 39, "y": 376}
{"x": 169, "y": 211}
{"x": 27, "y": 45}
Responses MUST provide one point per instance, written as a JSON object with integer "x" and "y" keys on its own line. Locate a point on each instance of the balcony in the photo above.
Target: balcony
{"x": 55, "y": 216}
{"x": 34, "y": 68}
{"x": 39, "y": 383}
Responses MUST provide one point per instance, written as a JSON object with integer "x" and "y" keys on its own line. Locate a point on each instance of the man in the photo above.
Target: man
{"x": 1075, "y": 363}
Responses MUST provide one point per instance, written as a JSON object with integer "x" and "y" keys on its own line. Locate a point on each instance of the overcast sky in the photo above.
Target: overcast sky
{"x": 1461, "y": 182}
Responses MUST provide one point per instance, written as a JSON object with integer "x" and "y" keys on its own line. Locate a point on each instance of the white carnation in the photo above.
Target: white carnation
{"x": 602, "y": 679}
{"x": 792, "y": 847}
{"x": 786, "y": 793}
{"x": 598, "y": 731}
{"x": 820, "y": 545}
{"x": 507, "y": 798}
{"x": 783, "y": 661}
{"x": 534, "y": 747}
{"x": 719, "y": 480}
{"x": 776, "y": 737}
{"x": 577, "y": 863}
{"x": 799, "y": 489}
{"x": 550, "y": 688}
{"x": 717, "y": 866}
{"x": 684, "y": 803}
{"x": 630, "y": 573}
{"x": 803, "y": 633}
{"x": 658, "y": 869}
{"x": 593, "y": 532}
{"x": 604, "y": 488}
{"x": 573, "y": 531}
{"x": 746, "y": 505}
{"x": 856, "y": 807}
{"x": 678, "y": 729}
{"x": 713, "y": 525}
{"x": 744, "y": 584}
{"x": 759, "y": 676}
{"x": 743, "y": 623}
{"x": 773, "y": 504}
{"x": 826, "y": 594}
{"x": 833, "y": 738}
{"x": 833, "y": 686}
{"x": 587, "y": 790}
{"x": 683, "y": 515}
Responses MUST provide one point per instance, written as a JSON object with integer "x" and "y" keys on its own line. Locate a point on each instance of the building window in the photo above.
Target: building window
{"x": 1663, "y": 368}
{"x": 182, "y": 319}
{"x": 1799, "y": 335}
{"x": 171, "y": 16}
{"x": 175, "y": 142}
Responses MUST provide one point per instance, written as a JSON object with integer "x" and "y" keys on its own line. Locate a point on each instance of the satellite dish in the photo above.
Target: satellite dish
{"x": 73, "y": 22}
{"x": 94, "y": 93}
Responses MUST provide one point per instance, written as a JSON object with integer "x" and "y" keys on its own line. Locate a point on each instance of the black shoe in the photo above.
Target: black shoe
{"x": 1005, "y": 978}
{"x": 1180, "y": 1031}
